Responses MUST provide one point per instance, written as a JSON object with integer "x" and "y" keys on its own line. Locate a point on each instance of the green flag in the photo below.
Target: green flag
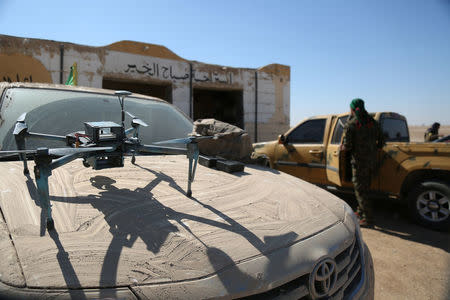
{"x": 73, "y": 76}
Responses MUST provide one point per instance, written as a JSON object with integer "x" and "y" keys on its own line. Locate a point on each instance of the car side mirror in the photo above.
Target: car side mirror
{"x": 282, "y": 139}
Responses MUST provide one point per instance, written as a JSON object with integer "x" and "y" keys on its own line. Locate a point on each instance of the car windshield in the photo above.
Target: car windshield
{"x": 61, "y": 112}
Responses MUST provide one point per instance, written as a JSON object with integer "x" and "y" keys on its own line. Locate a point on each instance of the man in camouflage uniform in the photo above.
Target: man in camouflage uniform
{"x": 432, "y": 133}
{"x": 363, "y": 137}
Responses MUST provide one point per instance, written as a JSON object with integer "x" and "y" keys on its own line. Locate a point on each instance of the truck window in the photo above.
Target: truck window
{"x": 339, "y": 130}
{"x": 395, "y": 130}
{"x": 309, "y": 132}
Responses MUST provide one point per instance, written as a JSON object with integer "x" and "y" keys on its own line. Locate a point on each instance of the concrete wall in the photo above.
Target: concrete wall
{"x": 23, "y": 59}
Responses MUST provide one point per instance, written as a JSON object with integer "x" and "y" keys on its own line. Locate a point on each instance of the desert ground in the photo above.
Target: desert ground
{"x": 410, "y": 261}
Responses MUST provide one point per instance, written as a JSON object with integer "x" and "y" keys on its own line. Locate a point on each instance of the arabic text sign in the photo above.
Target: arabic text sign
{"x": 167, "y": 72}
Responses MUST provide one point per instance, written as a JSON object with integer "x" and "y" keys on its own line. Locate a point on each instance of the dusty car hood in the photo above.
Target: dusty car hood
{"x": 135, "y": 226}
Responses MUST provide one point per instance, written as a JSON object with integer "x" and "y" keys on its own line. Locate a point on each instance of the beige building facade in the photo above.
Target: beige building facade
{"x": 257, "y": 100}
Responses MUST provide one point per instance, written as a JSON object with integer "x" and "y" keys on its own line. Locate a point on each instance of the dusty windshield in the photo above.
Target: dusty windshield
{"x": 61, "y": 112}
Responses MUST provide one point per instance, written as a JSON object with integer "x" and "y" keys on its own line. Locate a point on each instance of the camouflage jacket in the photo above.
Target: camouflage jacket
{"x": 363, "y": 141}
{"x": 430, "y": 135}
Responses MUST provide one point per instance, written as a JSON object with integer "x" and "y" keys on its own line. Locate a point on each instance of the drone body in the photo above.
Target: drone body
{"x": 102, "y": 145}
{"x": 101, "y": 134}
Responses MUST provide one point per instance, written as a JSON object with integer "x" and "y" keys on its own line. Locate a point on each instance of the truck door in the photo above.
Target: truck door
{"x": 396, "y": 133}
{"x": 338, "y": 169}
{"x": 302, "y": 154}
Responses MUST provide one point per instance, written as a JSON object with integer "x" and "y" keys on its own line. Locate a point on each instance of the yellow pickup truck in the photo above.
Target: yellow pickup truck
{"x": 417, "y": 173}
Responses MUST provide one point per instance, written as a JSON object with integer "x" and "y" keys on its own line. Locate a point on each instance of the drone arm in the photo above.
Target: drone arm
{"x": 34, "y": 135}
{"x": 129, "y": 130}
{"x": 160, "y": 150}
{"x": 192, "y": 154}
{"x": 20, "y": 136}
{"x": 64, "y": 160}
{"x": 70, "y": 154}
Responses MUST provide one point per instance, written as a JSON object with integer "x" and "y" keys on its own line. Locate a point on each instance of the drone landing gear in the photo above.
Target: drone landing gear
{"x": 42, "y": 171}
{"x": 192, "y": 154}
{"x": 20, "y": 142}
{"x": 26, "y": 171}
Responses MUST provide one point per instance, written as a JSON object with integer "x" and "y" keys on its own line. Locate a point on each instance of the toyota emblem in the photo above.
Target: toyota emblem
{"x": 323, "y": 278}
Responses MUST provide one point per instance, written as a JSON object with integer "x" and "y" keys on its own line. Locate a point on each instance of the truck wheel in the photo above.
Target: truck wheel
{"x": 429, "y": 204}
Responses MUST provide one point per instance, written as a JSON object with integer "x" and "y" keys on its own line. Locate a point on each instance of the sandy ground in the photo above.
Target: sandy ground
{"x": 410, "y": 261}
{"x": 416, "y": 132}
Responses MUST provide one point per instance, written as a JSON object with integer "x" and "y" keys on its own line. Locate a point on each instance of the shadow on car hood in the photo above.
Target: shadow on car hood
{"x": 134, "y": 225}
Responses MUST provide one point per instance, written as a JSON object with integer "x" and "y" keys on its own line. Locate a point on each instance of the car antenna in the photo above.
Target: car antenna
{"x": 122, "y": 95}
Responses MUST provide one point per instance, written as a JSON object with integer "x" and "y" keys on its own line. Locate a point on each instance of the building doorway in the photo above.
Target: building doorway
{"x": 225, "y": 106}
{"x": 162, "y": 91}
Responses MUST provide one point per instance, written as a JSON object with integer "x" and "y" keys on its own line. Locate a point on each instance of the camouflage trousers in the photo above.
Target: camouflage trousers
{"x": 361, "y": 178}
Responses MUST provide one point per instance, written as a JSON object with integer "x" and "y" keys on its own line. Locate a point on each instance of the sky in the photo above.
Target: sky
{"x": 394, "y": 54}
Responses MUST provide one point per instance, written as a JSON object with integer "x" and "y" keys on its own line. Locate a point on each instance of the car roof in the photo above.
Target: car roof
{"x": 5, "y": 85}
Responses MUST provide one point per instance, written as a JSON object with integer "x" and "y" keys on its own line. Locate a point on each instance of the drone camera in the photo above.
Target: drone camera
{"x": 103, "y": 131}
{"x": 112, "y": 160}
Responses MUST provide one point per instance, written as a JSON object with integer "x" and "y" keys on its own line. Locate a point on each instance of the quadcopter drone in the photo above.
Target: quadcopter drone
{"x": 102, "y": 145}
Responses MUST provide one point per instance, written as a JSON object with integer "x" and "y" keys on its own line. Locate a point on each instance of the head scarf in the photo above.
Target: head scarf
{"x": 357, "y": 105}
{"x": 436, "y": 125}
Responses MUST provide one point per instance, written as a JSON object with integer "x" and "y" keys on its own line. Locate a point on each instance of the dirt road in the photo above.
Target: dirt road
{"x": 411, "y": 262}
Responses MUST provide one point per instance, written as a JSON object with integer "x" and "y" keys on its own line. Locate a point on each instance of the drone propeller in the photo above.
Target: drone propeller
{"x": 21, "y": 118}
{"x": 136, "y": 120}
{"x": 19, "y": 128}
{"x": 186, "y": 140}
